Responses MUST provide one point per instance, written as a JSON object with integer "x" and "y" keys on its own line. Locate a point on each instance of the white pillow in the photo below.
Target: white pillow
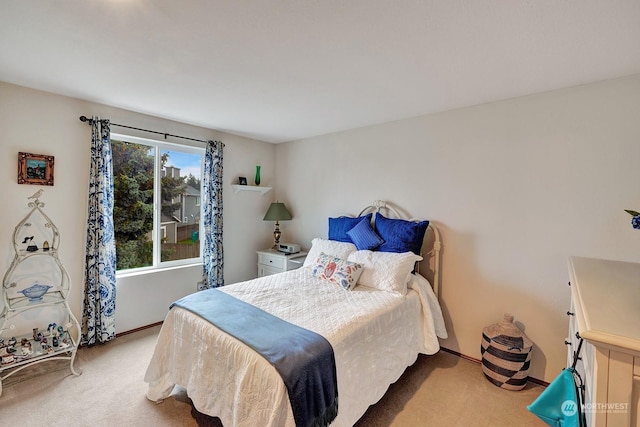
{"x": 386, "y": 271}
{"x": 329, "y": 247}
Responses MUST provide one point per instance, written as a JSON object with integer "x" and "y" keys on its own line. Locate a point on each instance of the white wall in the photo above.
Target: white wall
{"x": 42, "y": 123}
{"x": 515, "y": 187}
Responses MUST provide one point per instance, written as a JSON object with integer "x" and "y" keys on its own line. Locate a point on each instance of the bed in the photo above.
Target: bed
{"x": 376, "y": 326}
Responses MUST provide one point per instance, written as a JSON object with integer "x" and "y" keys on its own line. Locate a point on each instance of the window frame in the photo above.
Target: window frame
{"x": 158, "y": 147}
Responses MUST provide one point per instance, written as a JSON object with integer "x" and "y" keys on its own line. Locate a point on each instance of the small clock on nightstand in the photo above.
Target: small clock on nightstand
{"x": 271, "y": 261}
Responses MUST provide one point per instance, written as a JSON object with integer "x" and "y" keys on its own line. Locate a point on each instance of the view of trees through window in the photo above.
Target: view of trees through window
{"x": 155, "y": 174}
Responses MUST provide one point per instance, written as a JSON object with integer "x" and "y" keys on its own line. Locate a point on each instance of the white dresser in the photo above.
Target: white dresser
{"x": 271, "y": 261}
{"x": 605, "y": 312}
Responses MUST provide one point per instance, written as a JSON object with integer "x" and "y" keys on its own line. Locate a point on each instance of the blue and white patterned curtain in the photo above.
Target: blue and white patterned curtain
{"x": 212, "y": 251}
{"x": 99, "y": 305}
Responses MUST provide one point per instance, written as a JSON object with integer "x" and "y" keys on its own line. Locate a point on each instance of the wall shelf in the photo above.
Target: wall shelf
{"x": 254, "y": 188}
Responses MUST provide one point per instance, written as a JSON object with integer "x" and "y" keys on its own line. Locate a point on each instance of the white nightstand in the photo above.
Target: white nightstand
{"x": 271, "y": 261}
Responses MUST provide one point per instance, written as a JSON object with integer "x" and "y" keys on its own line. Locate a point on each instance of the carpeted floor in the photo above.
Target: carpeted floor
{"x": 439, "y": 390}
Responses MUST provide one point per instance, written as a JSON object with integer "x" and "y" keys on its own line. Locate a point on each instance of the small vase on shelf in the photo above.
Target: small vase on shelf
{"x": 257, "y": 179}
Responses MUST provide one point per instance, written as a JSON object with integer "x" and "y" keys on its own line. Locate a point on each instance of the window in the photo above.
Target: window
{"x": 156, "y": 202}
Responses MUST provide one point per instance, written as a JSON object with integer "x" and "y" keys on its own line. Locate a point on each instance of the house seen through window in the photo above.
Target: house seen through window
{"x": 156, "y": 202}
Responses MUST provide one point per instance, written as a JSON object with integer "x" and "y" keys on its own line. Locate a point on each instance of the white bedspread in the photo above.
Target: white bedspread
{"x": 375, "y": 336}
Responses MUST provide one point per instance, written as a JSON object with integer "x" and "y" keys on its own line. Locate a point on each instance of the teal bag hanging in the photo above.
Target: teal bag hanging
{"x": 558, "y": 405}
{"x": 561, "y": 403}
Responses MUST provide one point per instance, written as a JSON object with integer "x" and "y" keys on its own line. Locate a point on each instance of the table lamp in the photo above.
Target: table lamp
{"x": 277, "y": 212}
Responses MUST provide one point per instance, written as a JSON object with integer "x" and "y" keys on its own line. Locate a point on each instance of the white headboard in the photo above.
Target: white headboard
{"x": 431, "y": 241}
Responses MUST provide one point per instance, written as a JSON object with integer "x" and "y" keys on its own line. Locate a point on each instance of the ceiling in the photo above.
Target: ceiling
{"x": 281, "y": 70}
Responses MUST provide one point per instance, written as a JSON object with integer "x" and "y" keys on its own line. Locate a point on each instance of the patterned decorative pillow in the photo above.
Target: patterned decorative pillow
{"x": 338, "y": 227}
{"x": 385, "y": 271}
{"x": 364, "y": 236}
{"x": 337, "y": 270}
{"x": 331, "y": 247}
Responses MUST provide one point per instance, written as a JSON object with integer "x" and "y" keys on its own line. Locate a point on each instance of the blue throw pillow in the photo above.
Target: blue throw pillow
{"x": 400, "y": 235}
{"x": 338, "y": 227}
{"x": 364, "y": 236}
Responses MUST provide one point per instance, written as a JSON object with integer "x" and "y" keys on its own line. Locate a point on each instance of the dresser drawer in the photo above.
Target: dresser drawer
{"x": 585, "y": 363}
{"x": 572, "y": 340}
{"x": 275, "y": 261}
{"x": 264, "y": 270}
{"x": 293, "y": 263}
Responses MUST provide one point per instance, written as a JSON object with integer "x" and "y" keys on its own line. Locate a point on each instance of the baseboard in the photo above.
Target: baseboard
{"x": 141, "y": 328}
{"x": 478, "y": 361}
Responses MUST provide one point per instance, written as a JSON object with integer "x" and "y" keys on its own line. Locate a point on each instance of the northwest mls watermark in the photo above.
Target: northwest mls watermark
{"x": 609, "y": 408}
{"x": 570, "y": 407}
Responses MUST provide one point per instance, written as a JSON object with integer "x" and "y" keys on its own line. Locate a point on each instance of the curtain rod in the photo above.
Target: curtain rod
{"x": 89, "y": 121}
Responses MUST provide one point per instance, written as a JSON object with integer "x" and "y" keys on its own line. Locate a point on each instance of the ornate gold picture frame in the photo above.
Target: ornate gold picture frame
{"x": 35, "y": 169}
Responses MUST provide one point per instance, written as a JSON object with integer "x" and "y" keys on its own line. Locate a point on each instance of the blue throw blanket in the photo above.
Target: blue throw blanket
{"x": 304, "y": 359}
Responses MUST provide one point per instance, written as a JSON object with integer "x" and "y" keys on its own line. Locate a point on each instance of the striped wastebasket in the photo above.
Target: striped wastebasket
{"x": 506, "y": 354}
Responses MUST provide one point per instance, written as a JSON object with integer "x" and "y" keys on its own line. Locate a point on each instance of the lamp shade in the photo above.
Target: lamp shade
{"x": 277, "y": 212}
